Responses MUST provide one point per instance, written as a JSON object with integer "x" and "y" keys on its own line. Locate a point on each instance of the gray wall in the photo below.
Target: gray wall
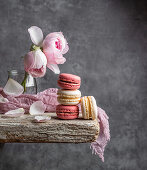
{"x": 107, "y": 40}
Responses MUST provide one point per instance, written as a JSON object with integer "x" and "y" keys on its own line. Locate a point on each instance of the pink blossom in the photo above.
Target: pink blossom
{"x": 35, "y": 63}
{"x": 54, "y": 46}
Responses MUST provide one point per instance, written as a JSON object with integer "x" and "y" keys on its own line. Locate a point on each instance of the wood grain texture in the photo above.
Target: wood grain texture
{"x": 25, "y": 130}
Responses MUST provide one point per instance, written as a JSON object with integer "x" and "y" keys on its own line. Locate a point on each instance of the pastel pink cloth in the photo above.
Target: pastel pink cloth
{"x": 98, "y": 146}
{"x": 49, "y": 98}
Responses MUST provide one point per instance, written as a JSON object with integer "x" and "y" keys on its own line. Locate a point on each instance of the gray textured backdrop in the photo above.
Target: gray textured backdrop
{"x": 108, "y": 47}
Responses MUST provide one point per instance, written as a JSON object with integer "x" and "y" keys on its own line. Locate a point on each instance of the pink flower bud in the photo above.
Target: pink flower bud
{"x": 35, "y": 63}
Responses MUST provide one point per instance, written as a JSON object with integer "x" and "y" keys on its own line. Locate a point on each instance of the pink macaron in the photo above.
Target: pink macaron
{"x": 67, "y": 112}
{"x": 69, "y": 81}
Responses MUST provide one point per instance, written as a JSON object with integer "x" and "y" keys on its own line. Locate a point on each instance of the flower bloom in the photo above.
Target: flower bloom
{"x": 35, "y": 63}
{"x": 54, "y": 46}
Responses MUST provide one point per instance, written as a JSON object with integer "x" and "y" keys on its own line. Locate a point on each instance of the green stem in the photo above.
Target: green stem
{"x": 24, "y": 81}
{"x": 34, "y": 47}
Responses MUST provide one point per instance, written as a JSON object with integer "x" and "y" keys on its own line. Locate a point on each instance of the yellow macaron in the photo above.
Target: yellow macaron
{"x": 68, "y": 97}
{"x": 89, "y": 107}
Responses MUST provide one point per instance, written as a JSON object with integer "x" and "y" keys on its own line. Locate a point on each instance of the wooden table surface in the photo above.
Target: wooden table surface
{"x": 24, "y": 130}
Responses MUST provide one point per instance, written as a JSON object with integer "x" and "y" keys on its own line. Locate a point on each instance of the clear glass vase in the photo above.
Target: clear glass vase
{"x": 29, "y": 82}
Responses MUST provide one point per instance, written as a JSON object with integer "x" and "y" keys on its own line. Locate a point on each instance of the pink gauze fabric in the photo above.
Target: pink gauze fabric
{"x": 49, "y": 98}
{"x": 104, "y": 136}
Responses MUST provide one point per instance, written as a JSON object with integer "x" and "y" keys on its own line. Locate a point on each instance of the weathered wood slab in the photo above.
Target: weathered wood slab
{"x": 24, "y": 130}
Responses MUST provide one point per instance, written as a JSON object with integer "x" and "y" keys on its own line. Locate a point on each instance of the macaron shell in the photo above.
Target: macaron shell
{"x": 70, "y": 78}
{"x": 82, "y": 107}
{"x": 93, "y": 107}
{"x": 85, "y": 107}
{"x": 67, "y": 116}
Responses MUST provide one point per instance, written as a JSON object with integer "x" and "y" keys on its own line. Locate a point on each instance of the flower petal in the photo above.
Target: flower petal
{"x": 29, "y": 61}
{"x": 38, "y": 72}
{"x": 35, "y": 63}
{"x": 42, "y": 119}
{"x": 15, "y": 113}
{"x": 3, "y": 100}
{"x": 65, "y": 50}
{"x": 54, "y": 46}
{"x": 13, "y": 88}
{"x": 36, "y": 35}
{"x": 37, "y": 108}
{"x": 54, "y": 56}
{"x": 40, "y": 59}
{"x": 54, "y": 68}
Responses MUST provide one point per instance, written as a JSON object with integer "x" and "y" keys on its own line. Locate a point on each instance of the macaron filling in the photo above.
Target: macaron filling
{"x": 67, "y": 81}
{"x": 69, "y": 93}
{"x": 67, "y": 101}
{"x": 70, "y": 86}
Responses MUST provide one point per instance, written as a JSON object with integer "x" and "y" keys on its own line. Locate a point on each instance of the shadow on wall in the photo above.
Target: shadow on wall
{"x": 1, "y": 146}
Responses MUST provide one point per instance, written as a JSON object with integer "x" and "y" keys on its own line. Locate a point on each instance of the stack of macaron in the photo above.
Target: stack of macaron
{"x": 68, "y": 96}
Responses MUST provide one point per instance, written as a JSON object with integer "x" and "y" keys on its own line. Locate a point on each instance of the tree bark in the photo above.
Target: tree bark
{"x": 25, "y": 130}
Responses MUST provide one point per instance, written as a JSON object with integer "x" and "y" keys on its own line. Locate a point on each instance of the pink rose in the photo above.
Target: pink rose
{"x": 35, "y": 63}
{"x": 54, "y": 46}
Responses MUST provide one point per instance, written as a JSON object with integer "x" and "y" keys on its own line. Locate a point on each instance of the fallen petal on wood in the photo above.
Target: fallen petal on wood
{"x": 15, "y": 113}
{"x": 37, "y": 108}
{"x": 13, "y": 88}
{"x": 48, "y": 97}
{"x": 42, "y": 119}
